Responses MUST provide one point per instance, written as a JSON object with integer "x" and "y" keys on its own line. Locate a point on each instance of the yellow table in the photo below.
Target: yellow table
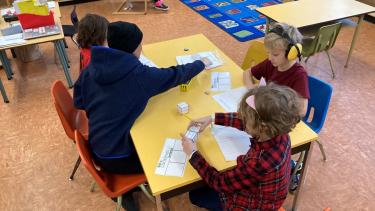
{"x": 161, "y": 120}
{"x": 56, "y": 39}
{"x": 310, "y": 12}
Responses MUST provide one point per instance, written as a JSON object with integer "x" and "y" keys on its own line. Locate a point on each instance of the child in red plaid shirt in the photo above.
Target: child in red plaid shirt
{"x": 261, "y": 178}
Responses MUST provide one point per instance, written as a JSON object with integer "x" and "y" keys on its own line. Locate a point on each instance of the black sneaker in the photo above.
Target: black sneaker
{"x": 294, "y": 183}
{"x": 159, "y": 5}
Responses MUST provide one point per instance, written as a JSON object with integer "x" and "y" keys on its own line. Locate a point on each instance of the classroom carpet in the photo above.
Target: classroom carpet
{"x": 236, "y": 17}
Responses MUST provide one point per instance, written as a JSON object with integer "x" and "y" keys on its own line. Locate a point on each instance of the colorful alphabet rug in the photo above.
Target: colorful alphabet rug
{"x": 237, "y": 17}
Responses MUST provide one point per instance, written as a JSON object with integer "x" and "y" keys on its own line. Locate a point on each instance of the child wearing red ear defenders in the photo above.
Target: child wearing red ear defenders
{"x": 283, "y": 45}
{"x": 261, "y": 178}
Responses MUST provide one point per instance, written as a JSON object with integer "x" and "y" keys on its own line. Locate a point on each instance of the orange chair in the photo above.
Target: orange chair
{"x": 113, "y": 185}
{"x": 71, "y": 118}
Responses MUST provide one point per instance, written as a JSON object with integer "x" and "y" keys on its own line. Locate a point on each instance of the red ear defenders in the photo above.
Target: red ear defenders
{"x": 294, "y": 49}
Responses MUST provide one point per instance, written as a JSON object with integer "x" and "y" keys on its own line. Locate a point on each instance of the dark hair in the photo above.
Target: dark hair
{"x": 92, "y": 30}
{"x": 277, "y": 109}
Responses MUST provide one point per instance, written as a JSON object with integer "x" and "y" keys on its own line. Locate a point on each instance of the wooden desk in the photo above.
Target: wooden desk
{"x": 56, "y": 39}
{"x": 161, "y": 120}
{"x": 310, "y": 12}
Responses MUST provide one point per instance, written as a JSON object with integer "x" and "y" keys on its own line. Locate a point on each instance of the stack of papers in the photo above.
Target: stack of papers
{"x": 11, "y": 40}
{"x": 214, "y": 58}
{"x": 220, "y": 81}
{"x": 232, "y": 142}
{"x": 229, "y": 100}
{"x": 172, "y": 161}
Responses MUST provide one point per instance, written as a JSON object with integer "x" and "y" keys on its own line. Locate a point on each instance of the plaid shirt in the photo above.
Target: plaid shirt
{"x": 261, "y": 178}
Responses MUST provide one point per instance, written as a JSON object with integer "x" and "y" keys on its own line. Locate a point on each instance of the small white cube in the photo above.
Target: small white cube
{"x": 183, "y": 108}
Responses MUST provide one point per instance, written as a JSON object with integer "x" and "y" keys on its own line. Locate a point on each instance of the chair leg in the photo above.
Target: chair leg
{"x": 307, "y": 59}
{"x": 299, "y": 162}
{"x": 147, "y": 193}
{"x": 13, "y": 53}
{"x": 75, "y": 168}
{"x": 93, "y": 184}
{"x": 331, "y": 64}
{"x": 322, "y": 150}
{"x": 119, "y": 203}
{"x": 65, "y": 44}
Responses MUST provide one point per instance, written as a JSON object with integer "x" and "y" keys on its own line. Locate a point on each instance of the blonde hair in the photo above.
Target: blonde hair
{"x": 275, "y": 41}
{"x": 277, "y": 109}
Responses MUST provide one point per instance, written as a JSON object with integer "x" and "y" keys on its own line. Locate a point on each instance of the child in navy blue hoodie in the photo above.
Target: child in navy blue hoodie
{"x": 114, "y": 90}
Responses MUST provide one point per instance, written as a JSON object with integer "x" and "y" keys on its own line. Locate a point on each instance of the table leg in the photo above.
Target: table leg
{"x": 303, "y": 174}
{"x": 65, "y": 55}
{"x": 60, "y": 52}
{"x": 6, "y": 64}
{"x": 3, "y": 93}
{"x": 267, "y": 25}
{"x": 159, "y": 205}
{"x": 354, "y": 39}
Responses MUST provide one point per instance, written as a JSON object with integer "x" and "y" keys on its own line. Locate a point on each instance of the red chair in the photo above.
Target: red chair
{"x": 113, "y": 185}
{"x": 71, "y": 118}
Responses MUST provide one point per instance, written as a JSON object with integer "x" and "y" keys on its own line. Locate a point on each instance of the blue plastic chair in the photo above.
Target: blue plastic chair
{"x": 317, "y": 108}
{"x": 320, "y": 96}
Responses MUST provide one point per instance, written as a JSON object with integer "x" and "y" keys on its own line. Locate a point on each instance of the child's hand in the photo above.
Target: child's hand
{"x": 202, "y": 123}
{"x": 207, "y": 62}
{"x": 188, "y": 145}
{"x": 248, "y": 79}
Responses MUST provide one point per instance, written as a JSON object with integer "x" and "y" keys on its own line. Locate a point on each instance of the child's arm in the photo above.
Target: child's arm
{"x": 155, "y": 81}
{"x": 248, "y": 79}
{"x": 229, "y": 119}
{"x": 303, "y": 108}
{"x": 243, "y": 176}
{"x": 77, "y": 94}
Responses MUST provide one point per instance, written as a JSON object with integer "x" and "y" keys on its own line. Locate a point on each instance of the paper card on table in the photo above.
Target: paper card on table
{"x": 220, "y": 81}
{"x": 229, "y": 100}
{"x": 172, "y": 161}
{"x": 29, "y": 7}
{"x": 213, "y": 57}
{"x": 146, "y": 61}
{"x": 175, "y": 169}
{"x": 232, "y": 142}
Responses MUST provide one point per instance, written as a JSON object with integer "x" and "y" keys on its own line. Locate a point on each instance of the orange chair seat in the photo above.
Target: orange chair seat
{"x": 121, "y": 183}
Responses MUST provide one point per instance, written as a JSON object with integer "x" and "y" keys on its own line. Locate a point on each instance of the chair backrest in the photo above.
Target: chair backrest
{"x": 255, "y": 54}
{"x": 71, "y": 118}
{"x": 320, "y": 96}
{"x": 74, "y": 18}
{"x": 326, "y": 37}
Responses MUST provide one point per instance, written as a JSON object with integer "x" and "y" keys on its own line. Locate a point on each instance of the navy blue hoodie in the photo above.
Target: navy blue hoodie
{"x": 114, "y": 90}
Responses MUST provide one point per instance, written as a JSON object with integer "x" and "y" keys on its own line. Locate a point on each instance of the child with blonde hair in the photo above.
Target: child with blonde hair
{"x": 283, "y": 45}
{"x": 261, "y": 178}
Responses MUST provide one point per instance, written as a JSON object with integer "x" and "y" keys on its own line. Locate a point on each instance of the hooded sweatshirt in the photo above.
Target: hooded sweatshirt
{"x": 114, "y": 90}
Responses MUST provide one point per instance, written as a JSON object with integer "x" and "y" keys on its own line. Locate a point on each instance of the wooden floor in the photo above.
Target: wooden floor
{"x": 36, "y": 157}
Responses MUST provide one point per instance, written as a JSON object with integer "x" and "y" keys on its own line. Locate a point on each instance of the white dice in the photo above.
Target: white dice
{"x": 183, "y": 108}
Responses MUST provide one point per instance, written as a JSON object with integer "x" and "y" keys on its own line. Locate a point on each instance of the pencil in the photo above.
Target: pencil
{"x": 187, "y": 117}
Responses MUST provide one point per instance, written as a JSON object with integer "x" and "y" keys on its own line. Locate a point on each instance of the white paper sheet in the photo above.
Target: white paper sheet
{"x": 6, "y": 41}
{"x": 146, "y": 61}
{"x": 220, "y": 81}
{"x": 210, "y": 55}
{"x": 232, "y": 142}
{"x": 172, "y": 161}
{"x": 229, "y": 100}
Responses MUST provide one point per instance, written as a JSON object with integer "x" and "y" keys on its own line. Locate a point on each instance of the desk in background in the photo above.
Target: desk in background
{"x": 161, "y": 120}
{"x": 310, "y": 12}
{"x": 56, "y": 39}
